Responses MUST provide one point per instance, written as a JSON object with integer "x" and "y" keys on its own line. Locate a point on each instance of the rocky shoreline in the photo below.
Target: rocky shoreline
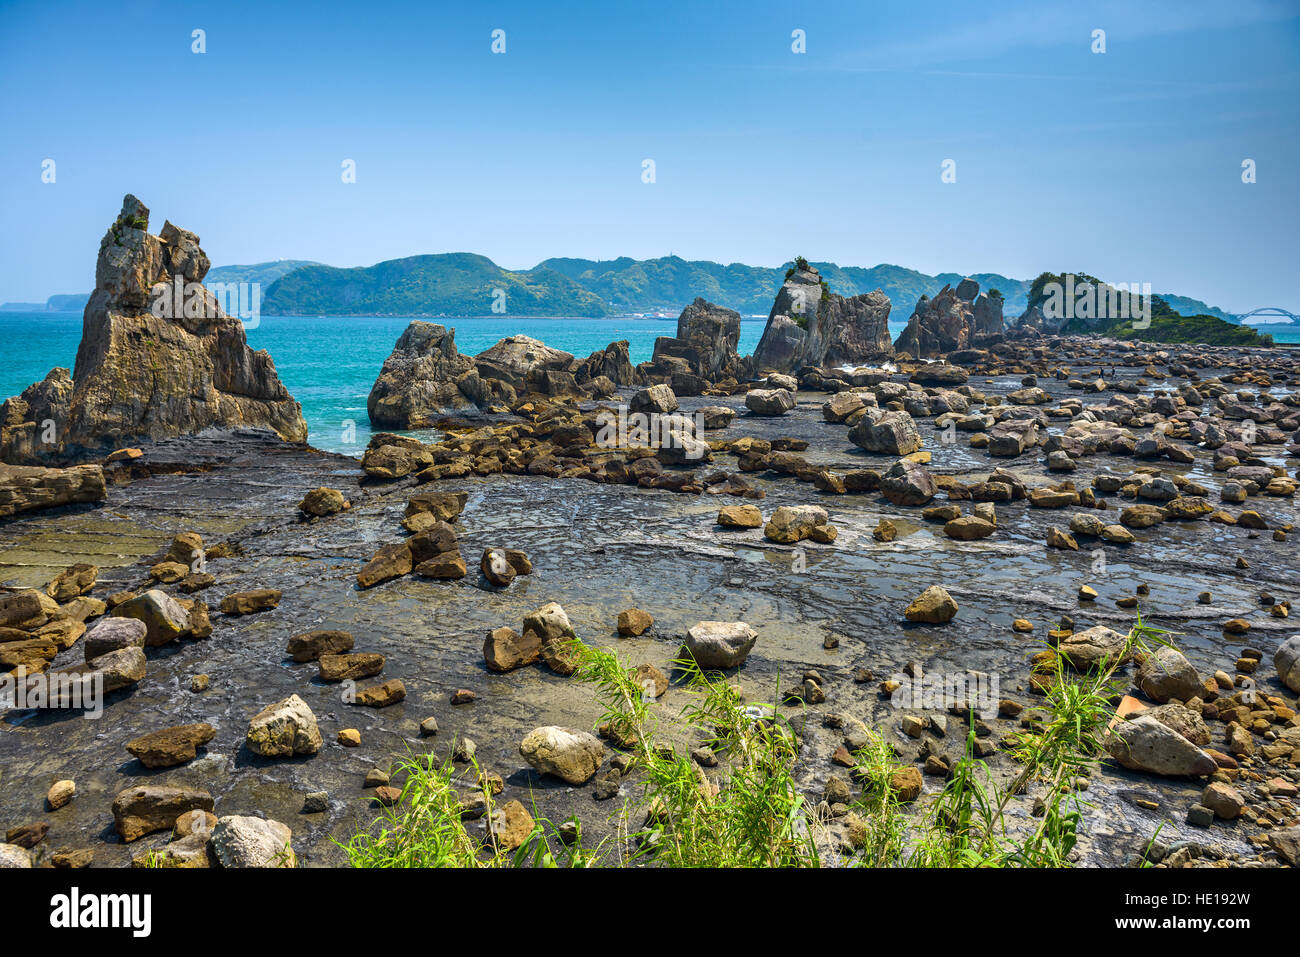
{"x": 275, "y": 626}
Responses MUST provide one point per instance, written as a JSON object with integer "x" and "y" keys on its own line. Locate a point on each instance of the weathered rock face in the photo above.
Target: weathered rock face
{"x": 240, "y": 841}
{"x": 811, "y": 326}
{"x": 284, "y": 729}
{"x": 954, "y": 319}
{"x": 528, "y": 365}
{"x": 425, "y": 378}
{"x": 417, "y": 383}
{"x": 1287, "y": 661}
{"x": 856, "y": 329}
{"x": 27, "y": 487}
{"x": 707, "y": 336}
{"x": 613, "y": 362}
{"x": 141, "y": 375}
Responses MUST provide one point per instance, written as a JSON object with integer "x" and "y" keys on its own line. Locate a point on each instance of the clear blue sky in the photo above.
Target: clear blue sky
{"x": 1125, "y": 164}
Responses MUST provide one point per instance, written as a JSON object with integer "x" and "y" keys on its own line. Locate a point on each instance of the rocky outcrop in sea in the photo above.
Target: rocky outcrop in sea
{"x": 811, "y": 326}
{"x": 956, "y": 318}
{"x": 158, "y": 357}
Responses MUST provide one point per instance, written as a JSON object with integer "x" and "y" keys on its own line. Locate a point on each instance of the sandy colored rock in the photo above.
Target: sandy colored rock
{"x": 60, "y": 793}
{"x": 323, "y": 501}
{"x": 719, "y": 644}
{"x": 164, "y": 619}
{"x": 250, "y": 602}
{"x": 381, "y": 696}
{"x": 933, "y": 606}
{"x": 504, "y": 649}
{"x": 633, "y": 622}
{"x": 310, "y": 645}
{"x": 170, "y": 746}
{"x": 566, "y": 753}
{"x": 284, "y": 729}
{"x": 391, "y": 561}
{"x": 350, "y": 667}
{"x": 143, "y": 809}
{"x": 740, "y": 516}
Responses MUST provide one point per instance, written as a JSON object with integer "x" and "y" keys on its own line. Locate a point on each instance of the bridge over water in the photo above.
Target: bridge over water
{"x": 1267, "y": 315}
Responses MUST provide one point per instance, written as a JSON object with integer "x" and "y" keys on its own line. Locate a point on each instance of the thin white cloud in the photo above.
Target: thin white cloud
{"x": 1021, "y": 27}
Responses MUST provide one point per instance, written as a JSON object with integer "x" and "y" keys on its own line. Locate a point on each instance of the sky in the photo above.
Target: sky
{"x": 1125, "y": 164}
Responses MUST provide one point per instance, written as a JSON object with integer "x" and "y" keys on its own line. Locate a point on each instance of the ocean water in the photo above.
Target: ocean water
{"x": 330, "y": 363}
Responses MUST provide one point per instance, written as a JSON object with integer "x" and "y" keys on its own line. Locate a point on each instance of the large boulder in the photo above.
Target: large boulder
{"x": 1012, "y": 437}
{"x": 654, "y": 400}
{"x": 769, "y": 402}
{"x": 1287, "y": 661}
{"x": 284, "y": 729}
{"x": 528, "y": 365}
{"x": 613, "y": 362}
{"x": 164, "y": 618}
{"x": 113, "y": 634}
{"x": 418, "y": 382}
{"x": 239, "y": 841}
{"x": 908, "y": 484}
{"x": 1093, "y": 647}
{"x": 893, "y": 433}
{"x": 943, "y": 324}
{"x": 573, "y": 756}
{"x": 793, "y": 523}
{"x": 707, "y": 336}
{"x": 719, "y": 644}
{"x": 809, "y": 325}
{"x": 933, "y": 606}
{"x": 1166, "y": 673}
{"x": 159, "y": 356}
{"x": 1145, "y": 744}
{"x": 25, "y": 488}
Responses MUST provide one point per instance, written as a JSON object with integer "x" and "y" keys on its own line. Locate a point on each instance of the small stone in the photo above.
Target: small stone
{"x": 60, "y": 793}
{"x": 933, "y": 606}
{"x": 381, "y": 696}
{"x": 350, "y": 738}
{"x": 634, "y": 622}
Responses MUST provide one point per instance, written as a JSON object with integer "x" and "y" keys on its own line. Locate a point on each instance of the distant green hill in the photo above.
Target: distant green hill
{"x": 265, "y": 273}
{"x": 1164, "y": 324}
{"x": 670, "y": 282}
{"x": 451, "y": 284}
{"x": 458, "y": 284}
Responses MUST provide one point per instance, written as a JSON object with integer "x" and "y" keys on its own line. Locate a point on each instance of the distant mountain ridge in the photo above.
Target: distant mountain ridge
{"x": 446, "y": 284}
{"x": 461, "y": 284}
{"x": 265, "y": 273}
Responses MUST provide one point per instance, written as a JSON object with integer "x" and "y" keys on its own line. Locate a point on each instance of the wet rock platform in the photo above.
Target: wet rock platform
{"x": 598, "y": 549}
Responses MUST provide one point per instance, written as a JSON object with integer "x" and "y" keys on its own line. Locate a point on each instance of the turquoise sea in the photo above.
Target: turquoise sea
{"x": 330, "y": 363}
